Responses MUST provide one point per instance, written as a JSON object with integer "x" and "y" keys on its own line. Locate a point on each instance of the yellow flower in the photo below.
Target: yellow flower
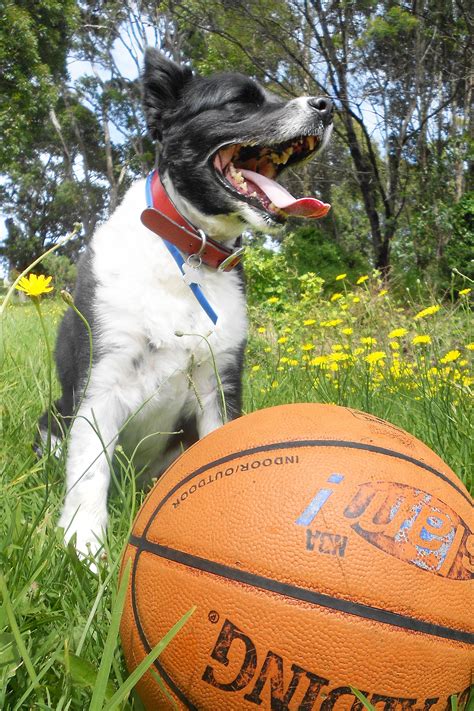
{"x": 337, "y": 357}
{"x": 463, "y": 292}
{"x": 333, "y": 366}
{"x": 358, "y": 351}
{"x": 470, "y": 346}
{"x": 368, "y": 341}
{"x": 287, "y": 329}
{"x": 343, "y": 276}
{"x": 275, "y": 384}
{"x": 375, "y": 357}
{"x": 344, "y": 307}
{"x": 336, "y": 347}
{"x": 450, "y": 356}
{"x": 383, "y": 292}
{"x": 273, "y": 300}
{"x": 282, "y": 339}
{"x": 421, "y": 339}
{"x": 261, "y": 329}
{"x": 361, "y": 279}
{"x": 397, "y": 333}
{"x": 336, "y": 296}
{"x": 347, "y": 331}
{"x": 307, "y": 347}
{"x": 293, "y": 361}
{"x": 355, "y": 300}
{"x": 394, "y": 345}
{"x": 309, "y": 322}
{"x": 255, "y": 368}
{"x": 34, "y": 285}
{"x": 334, "y": 322}
{"x": 319, "y": 360}
{"x": 429, "y": 311}
{"x": 267, "y": 350}
{"x": 284, "y": 360}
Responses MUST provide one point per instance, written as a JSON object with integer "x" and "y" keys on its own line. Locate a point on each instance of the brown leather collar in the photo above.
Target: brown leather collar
{"x": 164, "y": 220}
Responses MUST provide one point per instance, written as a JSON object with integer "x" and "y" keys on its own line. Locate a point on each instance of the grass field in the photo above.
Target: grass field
{"x": 354, "y": 345}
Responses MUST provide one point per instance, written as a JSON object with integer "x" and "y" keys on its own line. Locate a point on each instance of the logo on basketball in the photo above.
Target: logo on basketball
{"x": 404, "y": 522}
{"x": 255, "y": 679}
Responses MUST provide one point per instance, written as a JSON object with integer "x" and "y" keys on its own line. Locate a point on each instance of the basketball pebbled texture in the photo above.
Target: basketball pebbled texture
{"x": 324, "y": 548}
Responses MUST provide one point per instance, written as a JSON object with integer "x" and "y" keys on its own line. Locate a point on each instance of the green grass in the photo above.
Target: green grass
{"x": 57, "y": 618}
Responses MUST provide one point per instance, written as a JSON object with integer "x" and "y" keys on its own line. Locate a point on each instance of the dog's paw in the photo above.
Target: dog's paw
{"x": 89, "y": 532}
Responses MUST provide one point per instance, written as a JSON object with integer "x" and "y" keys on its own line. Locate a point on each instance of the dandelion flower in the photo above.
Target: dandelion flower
{"x": 333, "y": 322}
{"x": 293, "y": 361}
{"x": 383, "y": 292}
{"x": 368, "y": 341}
{"x": 255, "y": 368}
{"x": 273, "y": 300}
{"x": 429, "y": 311}
{"x": 355, "y": 300}
{"x": 35, "y": 285}
{"x": 394, "y": 345}
{"x": 470, "y": 346}
{"x": 450, "y": 356}
{"x": 282, "y": 339}
{"x": 284, "y": 359}
{"x": 336, "y": 347}
{"x": 309, "y": 322}
{"x": 307, "y": 347}
{"x": 375, "y": 357}
{"x": 464, "y": 292}
{"x": 397, "y": 333}
{"x": 347, "y": 331}
{"x": 338, "y": 357}
{"x": 261, "y": 329}
{"x": 319, "y": 360}
{"x": 421, "y": 339}
{"x": 336, "y": 296}
{"x": 340, "y": 277}
{"x": 361, "y": 279}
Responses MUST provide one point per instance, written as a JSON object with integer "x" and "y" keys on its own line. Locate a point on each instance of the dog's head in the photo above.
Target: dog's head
{"x": 224, "y": 140}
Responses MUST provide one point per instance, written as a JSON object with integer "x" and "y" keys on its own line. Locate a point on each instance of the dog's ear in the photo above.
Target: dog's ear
{"x": 163, "y": 82}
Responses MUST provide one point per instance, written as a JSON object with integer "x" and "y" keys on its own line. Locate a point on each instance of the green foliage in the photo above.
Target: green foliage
{"x": 459, "y": 252}
{"x": 34, "y": 39}
{"x": 308, "y": 248}
{"x": 62, "y": 269}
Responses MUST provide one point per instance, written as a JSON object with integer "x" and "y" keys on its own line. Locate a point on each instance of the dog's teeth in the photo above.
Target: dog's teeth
{"x": 244, "y": 187}
{"x": 254, "y": 194}
{"x": 310, "y": 140}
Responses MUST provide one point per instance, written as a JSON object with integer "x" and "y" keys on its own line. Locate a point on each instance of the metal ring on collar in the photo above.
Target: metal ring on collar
{"x": 203, "y": 237}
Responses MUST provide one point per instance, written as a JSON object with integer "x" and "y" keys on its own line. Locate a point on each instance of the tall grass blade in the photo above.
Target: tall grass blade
{"x": 144, "y": 665}
{"x": 100, "y": 689}
{"x": 364, "y": 699}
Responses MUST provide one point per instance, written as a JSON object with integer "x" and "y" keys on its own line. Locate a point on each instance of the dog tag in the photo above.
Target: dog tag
{"x": 191, "y": 274}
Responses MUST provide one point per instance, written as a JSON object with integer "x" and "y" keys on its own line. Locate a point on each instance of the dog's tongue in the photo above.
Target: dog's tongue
{"x": 281, "y": 198}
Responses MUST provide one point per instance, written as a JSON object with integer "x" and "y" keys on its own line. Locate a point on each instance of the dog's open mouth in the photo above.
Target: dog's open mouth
{"x": 250, "y": 171}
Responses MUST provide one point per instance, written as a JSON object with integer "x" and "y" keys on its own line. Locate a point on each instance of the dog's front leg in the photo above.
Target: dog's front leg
{"x": 92, "y": 441}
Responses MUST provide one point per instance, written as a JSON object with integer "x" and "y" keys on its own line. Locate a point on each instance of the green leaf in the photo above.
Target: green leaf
{"x": 84, "y": 674}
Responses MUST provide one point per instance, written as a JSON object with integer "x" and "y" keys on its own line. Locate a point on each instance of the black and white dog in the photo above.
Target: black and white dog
{"x": 223, "y": 140}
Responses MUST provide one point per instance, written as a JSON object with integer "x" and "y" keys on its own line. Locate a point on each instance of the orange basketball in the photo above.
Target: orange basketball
{"x": 324, "y": 549}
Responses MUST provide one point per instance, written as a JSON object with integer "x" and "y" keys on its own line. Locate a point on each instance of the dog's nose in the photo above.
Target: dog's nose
{"x": 323, "y": 106}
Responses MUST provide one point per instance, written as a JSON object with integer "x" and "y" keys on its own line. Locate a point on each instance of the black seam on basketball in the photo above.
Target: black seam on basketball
{"x": 295, "y": 445}
{"x": 287, "y": 590}
{"x": 161, "y": 670}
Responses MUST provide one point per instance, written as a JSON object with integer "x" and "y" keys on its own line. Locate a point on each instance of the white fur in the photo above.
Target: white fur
{"x": 134, "y": 390}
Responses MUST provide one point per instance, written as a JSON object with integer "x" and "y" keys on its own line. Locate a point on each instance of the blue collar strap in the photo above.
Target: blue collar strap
{"x": 178, "y": 257}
